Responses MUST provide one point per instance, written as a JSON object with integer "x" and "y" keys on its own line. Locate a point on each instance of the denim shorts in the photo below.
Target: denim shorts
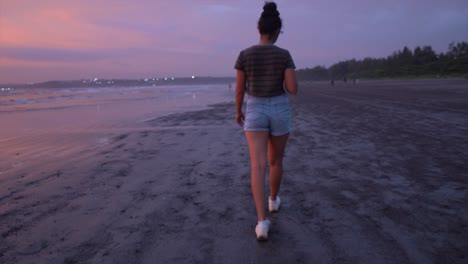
{"x": 270, "y": 114}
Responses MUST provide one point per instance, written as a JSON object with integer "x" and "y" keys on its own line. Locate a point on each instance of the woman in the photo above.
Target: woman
{"x": 265, "y": 72}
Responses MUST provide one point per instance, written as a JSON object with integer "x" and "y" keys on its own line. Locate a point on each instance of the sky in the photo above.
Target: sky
{"x": 71, "y": 39}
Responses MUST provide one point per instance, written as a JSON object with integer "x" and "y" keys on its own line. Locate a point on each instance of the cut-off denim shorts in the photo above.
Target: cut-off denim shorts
{"x": 270, "y": 114}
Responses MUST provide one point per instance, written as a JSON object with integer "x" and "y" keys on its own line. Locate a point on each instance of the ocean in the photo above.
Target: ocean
{"x": 39, "y": 122}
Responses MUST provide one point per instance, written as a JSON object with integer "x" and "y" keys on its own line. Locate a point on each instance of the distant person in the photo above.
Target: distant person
{"x": 333, "y": 82}
{"x": 344, "y": 79}
{"x": 262, "y": 70}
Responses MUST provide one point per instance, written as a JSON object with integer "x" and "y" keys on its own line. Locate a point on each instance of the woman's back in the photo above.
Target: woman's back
{"x": 264, "y": 66}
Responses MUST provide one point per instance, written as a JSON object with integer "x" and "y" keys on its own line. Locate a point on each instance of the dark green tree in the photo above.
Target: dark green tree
{"x": 423, "y": 61}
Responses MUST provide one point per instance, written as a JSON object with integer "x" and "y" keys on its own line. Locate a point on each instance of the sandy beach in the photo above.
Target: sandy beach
{"x": 375, "y": 172}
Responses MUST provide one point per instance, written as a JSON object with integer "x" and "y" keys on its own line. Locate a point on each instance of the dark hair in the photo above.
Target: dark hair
{"x": 270, "y": 20}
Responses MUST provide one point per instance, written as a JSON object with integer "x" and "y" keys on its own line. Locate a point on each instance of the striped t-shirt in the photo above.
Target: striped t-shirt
{"x": 264, "y": 67}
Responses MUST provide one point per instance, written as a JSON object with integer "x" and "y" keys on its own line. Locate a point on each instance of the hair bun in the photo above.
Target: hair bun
{"x": 270, "y": 9}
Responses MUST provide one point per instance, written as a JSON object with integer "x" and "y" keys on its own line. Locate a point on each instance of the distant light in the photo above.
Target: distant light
{"x": 165, "y": 79}
{"x": 95, "y": 79}
{"x": 3, "y": 89}
{"x": 193, "y": 77}
{"x": 84, "y": 81}
{"x": 109, "y": 82}
{"x": 146, "y": 80}
{"x": 157, "y": 79}
{"x": 172, "y": 78}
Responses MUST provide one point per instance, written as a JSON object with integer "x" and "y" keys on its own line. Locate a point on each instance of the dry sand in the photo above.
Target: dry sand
{"x": 374, "y": 173}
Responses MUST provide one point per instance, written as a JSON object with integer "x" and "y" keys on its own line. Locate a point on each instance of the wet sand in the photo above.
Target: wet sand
{"x": 374, "y": 173}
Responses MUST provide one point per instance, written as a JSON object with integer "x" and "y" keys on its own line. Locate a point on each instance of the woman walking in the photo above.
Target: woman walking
{"x": 265, "y": 72}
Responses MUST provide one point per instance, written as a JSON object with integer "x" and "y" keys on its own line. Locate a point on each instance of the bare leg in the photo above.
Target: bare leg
{"x": 258, "y": 142}
{"x": 276, "y": 146}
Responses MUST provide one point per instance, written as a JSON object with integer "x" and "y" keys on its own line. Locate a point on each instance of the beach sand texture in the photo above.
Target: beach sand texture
{"x": 374, "y": 173}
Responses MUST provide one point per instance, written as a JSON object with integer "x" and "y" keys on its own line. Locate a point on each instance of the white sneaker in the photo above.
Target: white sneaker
{"x": 262, "y": 229}
{"x": 274, "y": 205}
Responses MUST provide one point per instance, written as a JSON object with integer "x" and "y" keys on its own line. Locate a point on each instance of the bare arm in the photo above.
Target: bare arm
{"x": 290, "y": 81}
{"x": 240, "y": 92}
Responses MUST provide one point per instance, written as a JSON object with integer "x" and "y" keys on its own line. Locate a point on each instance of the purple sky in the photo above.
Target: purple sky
{"x": 56, "y": 39}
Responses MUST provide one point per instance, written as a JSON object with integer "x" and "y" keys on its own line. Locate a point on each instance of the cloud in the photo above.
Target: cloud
{"x": 128, "y": 38}
{"x": 64, "y": 55}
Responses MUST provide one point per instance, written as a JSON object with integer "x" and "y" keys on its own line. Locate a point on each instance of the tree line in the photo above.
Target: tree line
{"x": 405, "y": 63}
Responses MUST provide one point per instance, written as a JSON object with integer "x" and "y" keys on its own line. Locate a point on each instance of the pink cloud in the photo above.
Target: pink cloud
{"x": 64, "y": 28}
